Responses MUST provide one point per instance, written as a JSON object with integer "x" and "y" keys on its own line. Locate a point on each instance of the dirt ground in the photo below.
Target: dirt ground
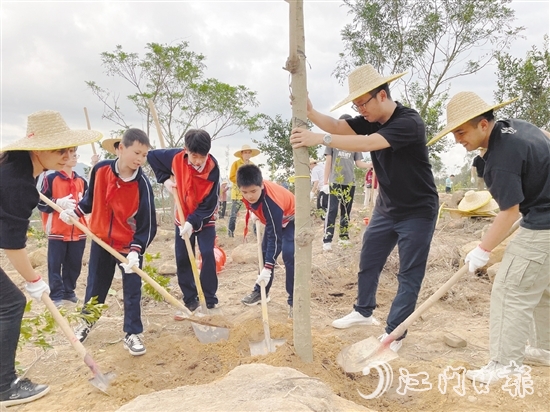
{"x": 175, "y": 358}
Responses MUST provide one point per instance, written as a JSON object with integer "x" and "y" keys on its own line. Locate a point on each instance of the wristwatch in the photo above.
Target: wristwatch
{"x": 327, "y": 139}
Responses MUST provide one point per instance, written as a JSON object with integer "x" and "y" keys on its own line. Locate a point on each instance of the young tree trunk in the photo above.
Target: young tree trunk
{"x": 304, "y": 234}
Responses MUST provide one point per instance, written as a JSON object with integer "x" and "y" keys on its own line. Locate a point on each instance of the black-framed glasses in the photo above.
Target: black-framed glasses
{"x": 362, "y": 106}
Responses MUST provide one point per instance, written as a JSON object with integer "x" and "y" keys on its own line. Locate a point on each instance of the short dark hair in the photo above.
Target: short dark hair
{"x": 198, "y": 141}
{"x": 452, "y": 175}
{"x": 135, "y": 135}
{"x": 345, "y": 116}
{"x": 385, "y": 87}
{"x": 489, "y": 116}
{"x": 249, "y": 175}
{"x": 116, "y": 145}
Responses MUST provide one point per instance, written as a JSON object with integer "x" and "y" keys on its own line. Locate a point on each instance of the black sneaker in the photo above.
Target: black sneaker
{"x": 193, "y": 305}
{"x": 81, "y": 331}
{"x": 230, "y": 233}
{"x": 210, "y": 305}
{"x": 22, "y": 391}
{"x": 134, "y": 345}
{"x": 72, "y": 299}
{"x": 253, "y": 299}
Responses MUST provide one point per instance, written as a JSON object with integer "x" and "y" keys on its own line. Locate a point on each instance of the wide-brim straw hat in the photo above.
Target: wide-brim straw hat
{"x": 465, "y": 106}
{"x": 364, "y": 79}
{"x": 255, "y": 152}
{"x": 474, "y": 200}
{"x": 46, "y": 130}
{"x": 109, "y": 144}
{"x": 489, "y": 207}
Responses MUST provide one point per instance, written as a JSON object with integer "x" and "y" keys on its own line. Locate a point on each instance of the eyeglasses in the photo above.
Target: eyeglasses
{"x": 362, "y": 106}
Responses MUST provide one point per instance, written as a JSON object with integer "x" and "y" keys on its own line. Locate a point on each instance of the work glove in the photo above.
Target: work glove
{"x": 37, "y": 288}
{"x": 186, "y": 229}
{"x": 473, "y": 180}
{"x": 169, "y": 184}
{"x": 325, "y": 189}
{"x": 311, "y": 196}
{"x": 264, "y": 275}
{"x": 476, "y": 259}
{"x": 66, "y": 202}
{"x": 66, "y": 215}
{"x": 133, "y": 260}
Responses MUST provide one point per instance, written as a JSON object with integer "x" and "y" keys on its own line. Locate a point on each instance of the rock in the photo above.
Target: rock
{"x": 472, "y": 398}
{"x": 456, "y": 198}
{"x": 254, "y": 387}
{"x": 454, "y": 341}
{"x": 167, "y": 269}
{"x": 39, "y": 257}
{"x": 492, "y": 271}
{"x": 245, "y": 253}
{"x": 496, "y": 254}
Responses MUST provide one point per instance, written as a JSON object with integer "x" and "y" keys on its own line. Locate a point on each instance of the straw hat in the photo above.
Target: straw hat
{"x": 255, "y": 152}
{"x": 46, "y": 130}
{"x": 474, "y": 200}
{"x": 109, "y": 144}
{"x": 489, "y": 207}
{"x": 364, "y": 79}
{"x": 463, "y": 107}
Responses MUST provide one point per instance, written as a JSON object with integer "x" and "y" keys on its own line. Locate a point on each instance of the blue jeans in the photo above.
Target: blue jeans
{"x": 412, "y": 237}
{"x": 101, "y": 269}
{"x": 64, "y": 264}
{"x": 288, "y": 259}
{"x": 209, "y": 280}
{"x": 12, "y": 306}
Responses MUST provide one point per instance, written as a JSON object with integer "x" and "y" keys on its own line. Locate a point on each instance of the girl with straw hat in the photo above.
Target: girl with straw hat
{"x": 46, "y": 146}
{"x": 517, "y": 173}
{"x": 406, "y": 207}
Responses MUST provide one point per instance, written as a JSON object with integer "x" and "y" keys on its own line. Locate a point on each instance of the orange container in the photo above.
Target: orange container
{"x": 366, "y": 220}
{"x": 220, "y": 257}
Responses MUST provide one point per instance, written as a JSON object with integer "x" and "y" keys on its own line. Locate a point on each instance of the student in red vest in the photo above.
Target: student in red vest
{"x": 197, "y": 179}
{"x": 65, "y": 243}
{"x": 274, "y": 206}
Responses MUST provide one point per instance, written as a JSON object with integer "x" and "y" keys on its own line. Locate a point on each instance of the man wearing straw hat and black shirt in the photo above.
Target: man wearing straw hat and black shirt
{"x": 517, "y": 173}
{"x": 46, "y": 146}
{"x": 406, "y": 208}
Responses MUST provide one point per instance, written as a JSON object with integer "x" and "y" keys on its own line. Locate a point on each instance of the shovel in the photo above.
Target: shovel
{"x": 371, "y": 351}
{"x": 100, "y": 381}
{"x": 267, "y": 345}
{"x": 210, "y": 332}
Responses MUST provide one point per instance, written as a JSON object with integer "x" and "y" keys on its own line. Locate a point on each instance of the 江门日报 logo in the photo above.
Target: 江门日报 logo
{"x": 517, "y": 380}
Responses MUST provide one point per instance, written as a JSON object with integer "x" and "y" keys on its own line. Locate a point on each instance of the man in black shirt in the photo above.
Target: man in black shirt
{"x": 406, "y": 207}
{"x": 478, "y": 168}
{"x": 517, "y": 173}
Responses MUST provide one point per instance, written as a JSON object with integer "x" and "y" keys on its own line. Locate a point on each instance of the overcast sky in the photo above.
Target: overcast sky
{"x": 49, "y": 49}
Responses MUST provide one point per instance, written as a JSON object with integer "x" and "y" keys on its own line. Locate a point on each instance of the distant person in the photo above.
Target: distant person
{"x": 449, "y": 184}
{"x": 45, "y": 146}
{"x": 223, "y": 198}
{"x": 368, "y": 186}
{"x": 274, "y": 206}
{"x": 244, "y": 155}
{"x": 65, "y": 243}
{"x": 318, "y": 182}
{"x": 517, "y": 173}
{"x": 478, "y": 167}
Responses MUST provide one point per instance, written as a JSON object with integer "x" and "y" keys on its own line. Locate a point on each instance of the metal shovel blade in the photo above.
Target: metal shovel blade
{"x": 102, "y": 381}
{"x": 356, "y": 357}
{"x": 262, "y": 347}
{"x": 210, "y": 334}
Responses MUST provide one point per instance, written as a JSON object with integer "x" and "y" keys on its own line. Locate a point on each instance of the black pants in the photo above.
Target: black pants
{"x": 12, "y": 306}
{"x": 221, "y": 212}
{"x": 340, "y": 196}
{"x": 64, "y": 264}
{"x": 322, "y": 203}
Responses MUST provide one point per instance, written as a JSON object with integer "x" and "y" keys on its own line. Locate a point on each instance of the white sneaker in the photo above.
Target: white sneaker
{"x": 354, "y": 319}
{"x": 327, "y": 247}
{"x": 134, "y": 344}
{"x": 344, "y": 242}
{"x": 395, "y": 345}
{"x": 536, "y": 356}
{"x": 490, "y": 373}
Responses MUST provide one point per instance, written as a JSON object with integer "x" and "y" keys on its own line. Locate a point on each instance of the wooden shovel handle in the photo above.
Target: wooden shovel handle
{"x": 89, "y": 128}
{"x": 263, "y": 294}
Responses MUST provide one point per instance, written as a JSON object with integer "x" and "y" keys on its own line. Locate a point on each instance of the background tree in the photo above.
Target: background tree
{"x": 173, "y": 77}
{"x": 528, "y": 79}
{"x": 436, "y": 41}
{"x": 276, "y": 146}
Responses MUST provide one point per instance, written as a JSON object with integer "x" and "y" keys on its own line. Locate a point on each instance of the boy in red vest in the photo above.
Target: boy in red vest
{"x": 65, "y": 243}
{"x": 122, "y": 214}
{"x": 274, "y": 206}
{"x": 197, "y": 179}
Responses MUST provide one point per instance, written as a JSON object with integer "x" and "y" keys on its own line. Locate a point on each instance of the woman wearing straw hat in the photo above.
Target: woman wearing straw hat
{"x": 517, "y": 173}
{"x": 406, "y": 207}
{"x": 46, "y": 146}
{"x": 244, "y": 155}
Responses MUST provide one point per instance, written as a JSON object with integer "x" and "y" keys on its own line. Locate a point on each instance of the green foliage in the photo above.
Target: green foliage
{"x": 276, "y": 146}
{"x": 431, "y": 39}
{"x": 153, "y": 273}
{"x": 38, "y": 234}
{"x": 173, "y": 77}
{"x": 528, "y": 79}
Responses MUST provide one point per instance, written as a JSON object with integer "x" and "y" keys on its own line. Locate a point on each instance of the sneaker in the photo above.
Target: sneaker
{"x": 22, "y": 391}
{"x": 395, "y": 345}
{"x": 344, "y": 242}
{"x": 211, "y": 306}
{"x": 327, "y": 247}
{"x": 134, "y": 345}
{"x": 230, "y": 233}
{"x": 72, "y": 299}
{"x": 58, "y": 303}
{"x": 193, "y": 305}
{"x": 254, "y": 298}
{"x": 536, "y": 356}
{"x": 490, "y": 373}
{"x": 354, "y": 319}
{"x": 81, "y": 331}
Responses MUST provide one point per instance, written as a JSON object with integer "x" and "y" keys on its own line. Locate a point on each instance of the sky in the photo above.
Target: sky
{"x": 50, "y": 48}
